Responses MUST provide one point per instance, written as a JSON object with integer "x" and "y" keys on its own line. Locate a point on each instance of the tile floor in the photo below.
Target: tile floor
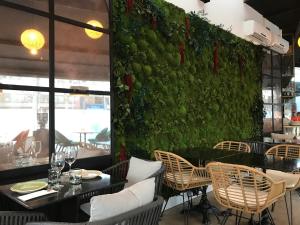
{"x": 174, "y": 217}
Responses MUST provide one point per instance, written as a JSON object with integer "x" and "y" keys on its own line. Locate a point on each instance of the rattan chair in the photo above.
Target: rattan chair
{"x": 286, "y": 151}
{"x": 145, "y": 215}
{"x": 233, "y": 146}
{"x": 244, "y": 189}
{"x": 181, "y": 175}
{"x": 20, "y": 218}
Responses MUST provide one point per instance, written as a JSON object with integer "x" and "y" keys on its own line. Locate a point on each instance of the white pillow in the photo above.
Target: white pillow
{"x": 110, "y": 205}
{"x": 140, "y": 170}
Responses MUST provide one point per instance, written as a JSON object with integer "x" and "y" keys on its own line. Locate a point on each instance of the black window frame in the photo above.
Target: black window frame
{"x": 100, "y": 162}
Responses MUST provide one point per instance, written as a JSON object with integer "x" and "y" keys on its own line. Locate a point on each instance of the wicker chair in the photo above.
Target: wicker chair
{"x": 181, "y": 175}
{"x": 233, "y": 146}
{"x": 244, "y": 189}
{"x": 20, "y": 218}
{"x": 145, "y": 215}
{"x": 286, "y": 151}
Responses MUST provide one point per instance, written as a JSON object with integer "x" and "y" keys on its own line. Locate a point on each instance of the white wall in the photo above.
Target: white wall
{"x": 188, "y": 5}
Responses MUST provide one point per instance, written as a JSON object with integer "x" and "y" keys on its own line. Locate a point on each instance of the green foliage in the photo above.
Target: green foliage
{"x": 178, "y": 106}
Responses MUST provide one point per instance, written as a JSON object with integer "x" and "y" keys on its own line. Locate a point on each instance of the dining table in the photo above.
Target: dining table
{"x": 62, "y": 205}
{"x": 202, "y": 156}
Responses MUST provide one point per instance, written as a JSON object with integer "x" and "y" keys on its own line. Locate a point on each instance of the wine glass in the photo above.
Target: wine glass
{"x": 70, "y": 155}
{"x": 58, "y": 162}
{"x": 37, "y": 148}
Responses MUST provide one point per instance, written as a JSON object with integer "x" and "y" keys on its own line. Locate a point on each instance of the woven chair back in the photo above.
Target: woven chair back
{"x": 178, "y": 170}
{"x": 286, "y": 151}
{"x": 233, "y": 146}
{"x": 240, "y": 187}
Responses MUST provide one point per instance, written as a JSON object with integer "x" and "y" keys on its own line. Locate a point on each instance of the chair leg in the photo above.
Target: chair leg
{"x": 291, "y": 202}
{"x": 162, "y": 213}
{"x": 273, "y": 206}
{"x": 226, "y": 216}
{"x": 240, "y": 217}
{"x": 259, "y": 216}
{"x": 287, "y": 210}
{"x": 270, "y": 216}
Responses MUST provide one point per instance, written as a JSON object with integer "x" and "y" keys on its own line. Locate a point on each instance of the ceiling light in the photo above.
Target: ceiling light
{"x": 92, "y": 33}
{"x": 32, "y": 40}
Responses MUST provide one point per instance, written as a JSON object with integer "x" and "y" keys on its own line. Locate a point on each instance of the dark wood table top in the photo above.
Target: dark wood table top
{"x": 66, "y": 192}
{"x": 203, "y": 156}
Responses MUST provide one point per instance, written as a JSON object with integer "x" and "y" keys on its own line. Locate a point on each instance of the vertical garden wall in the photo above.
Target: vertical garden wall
{"x": 180, "y": 82}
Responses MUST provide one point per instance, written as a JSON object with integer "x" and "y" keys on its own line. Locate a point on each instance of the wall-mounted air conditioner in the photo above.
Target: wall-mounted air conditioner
{"x": 279, "y": 44}
{"x": 257, "y": 33}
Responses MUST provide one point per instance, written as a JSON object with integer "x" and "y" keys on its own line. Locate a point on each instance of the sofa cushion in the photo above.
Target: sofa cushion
{"x": 110, "y": 205}
{"x": 140, "y": 170}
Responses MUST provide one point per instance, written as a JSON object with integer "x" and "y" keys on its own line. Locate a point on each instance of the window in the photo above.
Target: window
{"x": 271, "y": 70}
{"x": 54, "y": 79}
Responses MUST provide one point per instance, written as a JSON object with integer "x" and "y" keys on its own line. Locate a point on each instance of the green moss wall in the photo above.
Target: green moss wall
{"x": 167, "y": 102}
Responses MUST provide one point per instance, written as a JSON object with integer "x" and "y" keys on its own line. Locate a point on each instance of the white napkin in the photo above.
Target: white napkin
{"x": 36, "y": 194}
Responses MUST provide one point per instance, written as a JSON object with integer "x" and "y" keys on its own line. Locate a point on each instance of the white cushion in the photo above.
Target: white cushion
{"x": 292, "y": 180}
{"x": 140, "y": 170}
{"x": 250, "y": 197}
{"x": 107, "y": 206}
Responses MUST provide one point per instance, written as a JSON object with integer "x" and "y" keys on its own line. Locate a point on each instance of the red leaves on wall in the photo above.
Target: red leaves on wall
{"x": 181, "y": 52}
{"x": 154, "y": 22}
{"x": 187, "y": 27}
{"x": 129, "y": 5}
{"x": 216, "y": 58}
{"x": 122, "y": 156}
{"x": 128, "y": 80}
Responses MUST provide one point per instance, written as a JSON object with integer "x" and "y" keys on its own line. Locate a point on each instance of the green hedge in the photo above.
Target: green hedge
{"x": 163, "y": 102}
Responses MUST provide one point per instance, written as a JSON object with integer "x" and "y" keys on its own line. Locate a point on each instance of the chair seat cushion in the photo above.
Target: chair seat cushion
{"x": 110, "y": 205}
{"x": 185, "y": 178}
{"x": 140, "y": 170}
{"x": 235, "y": 196}
{"x": 292, "y": 180}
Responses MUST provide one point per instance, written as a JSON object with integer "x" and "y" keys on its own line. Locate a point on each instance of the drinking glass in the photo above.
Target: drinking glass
{"x": 36, "y": 147}
{"x": 70, "y": 155}
{"x": 58, "y": 162}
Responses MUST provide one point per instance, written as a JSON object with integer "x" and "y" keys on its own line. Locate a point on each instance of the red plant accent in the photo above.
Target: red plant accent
{"x": 128, "y": 80}
{"x": 129, "y": 5}
{"x": 181, "y": 52}
{"x": 122, "y": 156}
{"x": 216, "y": 58}
{"x": 187, "y": 27}
{"x": 154, "y": 22}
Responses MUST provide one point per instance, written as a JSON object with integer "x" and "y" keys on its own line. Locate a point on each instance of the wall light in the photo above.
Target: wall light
{"x": 299, "y": 42}
{"x": 32, "y": 40}
{"x": 92, "y": 33}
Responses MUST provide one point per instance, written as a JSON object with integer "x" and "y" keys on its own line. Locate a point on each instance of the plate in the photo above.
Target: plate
{"x": 27, "y": 187}
{"x": 90, "y": 174}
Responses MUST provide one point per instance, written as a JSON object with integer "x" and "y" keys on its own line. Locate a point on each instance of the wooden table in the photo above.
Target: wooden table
{"x": 67, "y": 200}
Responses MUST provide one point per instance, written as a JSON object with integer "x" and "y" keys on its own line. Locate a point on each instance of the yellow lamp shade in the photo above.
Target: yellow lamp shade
{"x": 92, "y": 33}
{"x": 32, "y": 40}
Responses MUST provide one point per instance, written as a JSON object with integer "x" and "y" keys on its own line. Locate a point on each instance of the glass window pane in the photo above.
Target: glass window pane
{"x": 81, "y": 61}
{"x": 83, "y": 120}
{"x": 24, "y": 123}
{"x": 17, "y": 64}
{"x": 277, "y": 118}
{"x": 276, "y": 61}
{"x": 268, "y": 119}
{"x": 276, "y": 90}
{"x": 267, "y": 89}
{"x": 266, "y": 66}
{"x": 84, "y": 11}
{"x": 36, "y": 4}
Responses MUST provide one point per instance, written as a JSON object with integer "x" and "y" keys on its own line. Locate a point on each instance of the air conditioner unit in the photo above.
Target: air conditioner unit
{"x": 257, "y": 33}
{"x": 279, "y": 44}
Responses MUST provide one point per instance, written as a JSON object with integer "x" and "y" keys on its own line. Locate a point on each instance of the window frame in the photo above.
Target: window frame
{"x": 7, "y": 176}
